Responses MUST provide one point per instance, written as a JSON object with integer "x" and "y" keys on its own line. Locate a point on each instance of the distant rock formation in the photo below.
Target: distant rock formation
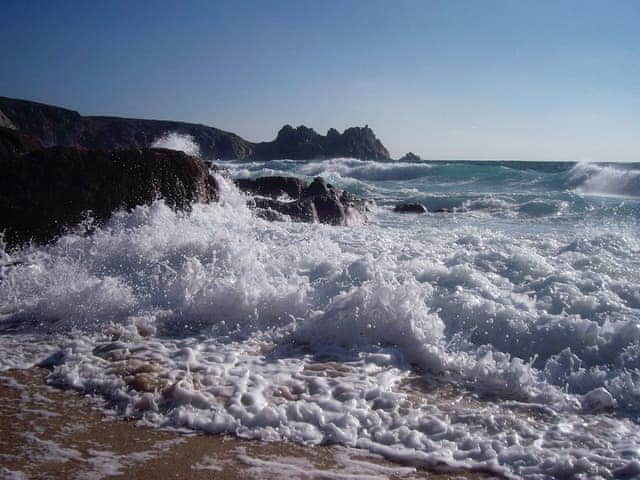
{"x": 47, "y": 191}
{"x": 58, "y": 126}
{"x": 314, "y": 202}
{"x": 410, "y": 157}
{"x": 303, "y": 143}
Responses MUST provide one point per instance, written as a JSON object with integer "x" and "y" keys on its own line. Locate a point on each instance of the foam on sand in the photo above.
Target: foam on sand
{"x": 451, "y": 345}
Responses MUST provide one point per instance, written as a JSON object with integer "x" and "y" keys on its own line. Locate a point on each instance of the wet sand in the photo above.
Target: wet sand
{"x": 46, "y": 432}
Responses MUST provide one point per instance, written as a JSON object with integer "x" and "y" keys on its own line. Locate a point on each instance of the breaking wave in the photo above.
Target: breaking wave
{"x": 596, "y": 179}
{"x": 178, "y": 141}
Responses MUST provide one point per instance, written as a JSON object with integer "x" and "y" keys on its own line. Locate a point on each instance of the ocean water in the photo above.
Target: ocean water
{"x": 501, "y": 331}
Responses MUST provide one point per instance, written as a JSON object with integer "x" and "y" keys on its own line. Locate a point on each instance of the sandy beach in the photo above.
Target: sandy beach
{"x": 51, "y": 433}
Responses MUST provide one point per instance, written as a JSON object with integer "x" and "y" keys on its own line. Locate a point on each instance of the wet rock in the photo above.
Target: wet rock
{"x": 299, "y": 210}
{"x": 48, "y": 191}
{"x": 146, "y": 382}
{"x": 273, "y": 187}
{"x": 410, "y": 208}
{"x": 410, "y": 157}
{"x": 314, "y": 202}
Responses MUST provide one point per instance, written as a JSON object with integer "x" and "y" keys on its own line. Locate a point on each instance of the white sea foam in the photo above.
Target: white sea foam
{"x": 442, "y": 343}
{"x": 178, "y": 141}
{"x": 597, "y": 179}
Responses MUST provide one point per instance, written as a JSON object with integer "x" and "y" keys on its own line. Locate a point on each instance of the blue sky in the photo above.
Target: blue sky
{"x": 543, "y": 80}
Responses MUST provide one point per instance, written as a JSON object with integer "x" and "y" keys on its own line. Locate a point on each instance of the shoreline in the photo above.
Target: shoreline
{"x": 47, "y": 432}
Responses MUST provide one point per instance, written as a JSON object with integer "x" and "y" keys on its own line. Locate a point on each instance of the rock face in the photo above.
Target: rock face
{"x": 303, "y": 143}
{"x": 55, "y": 126}
{"x": 59, "y": 126}
{"x": 5, "y": 122}
{"x": 47, "y": 191}
{"x": 410, "y": 208}
{"x": 13, "y": 142}
{"x": 273, "y": 187}
{"x": 410, "y": 157}
{"x": 315, "y": 202}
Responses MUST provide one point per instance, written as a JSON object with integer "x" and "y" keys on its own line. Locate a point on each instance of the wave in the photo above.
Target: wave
{"x": 217, "y": 320}
{"x": 594, "y": 179}
{"x": 178, "y": 141}
{"x": 366, "y": 170}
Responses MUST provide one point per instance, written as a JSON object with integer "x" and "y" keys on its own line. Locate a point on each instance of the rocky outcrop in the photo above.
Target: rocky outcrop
{"x": 410, "y": 157}
{"x": 410, "y": 208}
{"x": 45, "y": 192}
{"x": 13, "y": 142}
{"x": 59, "y": 126}
{"x": 314, "y": 202}
{"x": 55, "y": 126}
{"x": 273, "y": 187}
{"x": 303, "y": 143}
{"x": 5, "y": 122}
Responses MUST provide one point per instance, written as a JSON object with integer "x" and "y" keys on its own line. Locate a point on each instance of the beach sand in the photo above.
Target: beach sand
{"x": 51, "y": 433}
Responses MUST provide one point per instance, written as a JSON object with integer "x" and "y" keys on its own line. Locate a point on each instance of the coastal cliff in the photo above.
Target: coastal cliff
{"x": 55, "y": 126}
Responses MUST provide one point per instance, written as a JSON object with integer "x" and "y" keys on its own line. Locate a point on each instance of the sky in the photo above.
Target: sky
{"x": 486, "y": 80}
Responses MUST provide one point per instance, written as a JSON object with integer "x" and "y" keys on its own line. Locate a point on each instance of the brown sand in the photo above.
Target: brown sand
{"x": 50, "y": 433}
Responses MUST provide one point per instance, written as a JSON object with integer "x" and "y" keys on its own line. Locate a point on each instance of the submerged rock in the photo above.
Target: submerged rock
{"x": 410, "y": 208}
{"x": 314, "y": 202}
{"x": 45, "y": 192}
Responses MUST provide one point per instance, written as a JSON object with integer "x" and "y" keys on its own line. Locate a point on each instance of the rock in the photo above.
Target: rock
{"x": 303, "y": 143}
{"x": 59, "y": 126}
{"x": 13, "y": 142}
{"x": 315, "y": 202}
{"x": 273, "y": 187}
{"x": 598, "y": 399}
{"x": 410, "y": 208}
{"x": 299, "y": 210}
{"x": 45, "y": 192}
{"x": 410, "y": 157}
{"x": 55, "y": 126}
{"x": 5, "y": 122}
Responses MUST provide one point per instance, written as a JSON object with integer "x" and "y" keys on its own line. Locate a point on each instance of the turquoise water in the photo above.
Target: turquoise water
{"x": 514, "y": 193}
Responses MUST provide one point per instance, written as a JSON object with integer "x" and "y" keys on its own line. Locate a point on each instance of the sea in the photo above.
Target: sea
{"x": 500, "y": 331}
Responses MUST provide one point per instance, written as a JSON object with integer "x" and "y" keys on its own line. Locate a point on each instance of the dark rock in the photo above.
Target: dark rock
{"x": 303, "y": 143}
{"x": 59, "y": 126}
{"x": 274, "y": 187}
{"x": 410, "y": 157}
{"x": 410, "y": 208}
{"x": 315, "y": 202}
{"x": 299, "y": 210}
{"x": 317, "y": 187}
{"x": 13, "y": 142}
{"x": 45, "y": 192}
{"x": 5, "y": 122}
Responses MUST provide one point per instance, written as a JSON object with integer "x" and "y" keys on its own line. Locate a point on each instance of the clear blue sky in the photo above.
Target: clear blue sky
{"x": 531, "y": 80}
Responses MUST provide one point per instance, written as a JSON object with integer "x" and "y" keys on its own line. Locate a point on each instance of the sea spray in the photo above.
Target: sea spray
{"x": 471, "y": 339}
{"x": 178, "y": 141}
